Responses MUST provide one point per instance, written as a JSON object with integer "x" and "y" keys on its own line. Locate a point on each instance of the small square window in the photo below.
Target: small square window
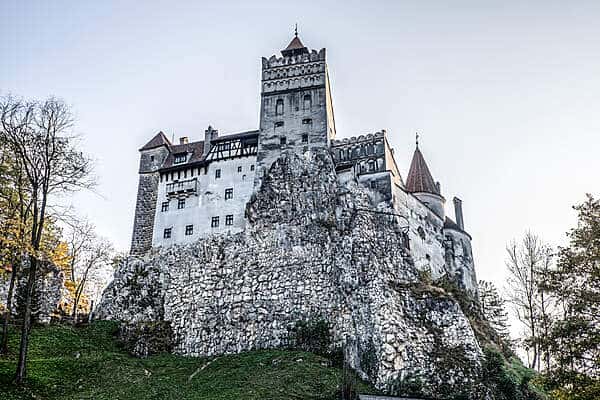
{"x": 180, "y": 204}
{"x": 164, "y": 206}
{"x": 214, "y": 222}
{"x": 240, "y": 168}
{"x": 217, "y": 173}
{"x": 282, "y": 140}
{"x": 278, "y": 124}
{"x": 189, "y": 230}
{"x": 229, "y": 220}
{"x": 151, "y": 158}
{"x": 167, "y": 233}
{"x": 228, "y": 193}
{"x": 305, "y": 138}
{"x": 307, "y": 121}
{"x": 252, "y": 167}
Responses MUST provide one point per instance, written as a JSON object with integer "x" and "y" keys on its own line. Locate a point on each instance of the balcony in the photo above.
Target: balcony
{"x": 189, "y": 186}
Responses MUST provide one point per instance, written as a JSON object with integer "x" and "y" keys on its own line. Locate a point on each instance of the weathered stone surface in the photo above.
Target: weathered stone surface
{"x": 312, "y": 249}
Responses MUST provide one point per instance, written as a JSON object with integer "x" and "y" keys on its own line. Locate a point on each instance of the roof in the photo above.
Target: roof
{"x": 158, "y": 140}
{"x": 295, "y": 47}
{"x": 195, "y": 150}
{"x": 450, "y": 224}
{"x": 419, "y": 178}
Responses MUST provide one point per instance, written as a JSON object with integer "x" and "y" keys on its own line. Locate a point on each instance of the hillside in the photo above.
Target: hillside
{"x": 88, "y": 363}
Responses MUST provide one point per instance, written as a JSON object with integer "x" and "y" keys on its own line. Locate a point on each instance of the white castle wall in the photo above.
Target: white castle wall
{"x": 208, "y": 202}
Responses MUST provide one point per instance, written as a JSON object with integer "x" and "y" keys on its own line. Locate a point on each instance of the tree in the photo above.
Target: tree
{"x": 89, "y": 253}
{"x": 493, "y": 309}
{"x": 575, "y": 336}
{"x": 528, "y": 262}
{"x": 38, "y": 135}
{"x": 14, "y": 213}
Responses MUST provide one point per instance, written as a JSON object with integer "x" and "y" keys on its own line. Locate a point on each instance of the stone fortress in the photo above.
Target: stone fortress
{"x": 239, "y": 236}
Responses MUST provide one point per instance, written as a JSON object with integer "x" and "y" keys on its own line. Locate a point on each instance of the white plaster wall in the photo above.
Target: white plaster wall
{"x": 428, "y": 253}
{"x": 208, "y": 202}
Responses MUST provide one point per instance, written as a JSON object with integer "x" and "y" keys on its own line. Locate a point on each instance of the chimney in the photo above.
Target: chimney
{"x": 458, "y": 213}
{"x": 183, "y": 140}
{"x": 209, "y": 135}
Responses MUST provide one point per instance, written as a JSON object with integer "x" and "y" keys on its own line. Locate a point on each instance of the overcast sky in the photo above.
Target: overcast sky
{"x": 505, "y": 94}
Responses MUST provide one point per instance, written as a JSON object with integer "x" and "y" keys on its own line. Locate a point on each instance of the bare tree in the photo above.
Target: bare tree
{"x": 528, "y": 262}
{"x": 89, "y": 253}
{"x": 38, "y": 134}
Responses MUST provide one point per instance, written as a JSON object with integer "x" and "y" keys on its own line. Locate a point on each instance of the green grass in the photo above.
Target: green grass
{"x": 88, "y": 363}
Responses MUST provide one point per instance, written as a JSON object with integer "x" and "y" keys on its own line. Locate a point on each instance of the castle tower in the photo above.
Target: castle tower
{"x": 296, "y": 112}
{"x": 152, "y": 157}
{"x": 421, "y": 184}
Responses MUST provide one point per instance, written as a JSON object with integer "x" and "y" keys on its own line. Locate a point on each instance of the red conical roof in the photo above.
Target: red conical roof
{"x": 419, "y": 178}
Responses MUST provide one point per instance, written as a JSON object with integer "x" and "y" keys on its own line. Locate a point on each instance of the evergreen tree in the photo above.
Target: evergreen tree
{"x": 493, "y": 309}
{"x": 575, "y": 337}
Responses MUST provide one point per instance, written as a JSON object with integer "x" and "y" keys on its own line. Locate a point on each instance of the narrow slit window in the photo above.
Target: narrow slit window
{"x": 279, "y": 107}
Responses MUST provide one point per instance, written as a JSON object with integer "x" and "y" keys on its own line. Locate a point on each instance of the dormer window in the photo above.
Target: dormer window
{"x": 180, "y": 158}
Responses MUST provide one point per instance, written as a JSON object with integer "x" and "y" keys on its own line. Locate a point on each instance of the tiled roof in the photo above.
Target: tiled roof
{"x": 158, "y": 140}
{"x": 419, "y": 178}
{"x": 450, "y": 224}
{"x": 295, "y": 47}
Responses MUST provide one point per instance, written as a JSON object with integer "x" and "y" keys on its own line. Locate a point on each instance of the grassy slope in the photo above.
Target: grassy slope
{"x": 87, "y": 363}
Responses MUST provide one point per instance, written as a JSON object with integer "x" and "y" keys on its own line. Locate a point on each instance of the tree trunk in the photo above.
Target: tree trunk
{"x": 9, "y": 298}
{"x": 22, "y": 364}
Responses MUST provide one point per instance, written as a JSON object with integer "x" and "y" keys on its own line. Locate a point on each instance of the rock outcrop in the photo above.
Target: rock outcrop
{"x": 314, "y": 248}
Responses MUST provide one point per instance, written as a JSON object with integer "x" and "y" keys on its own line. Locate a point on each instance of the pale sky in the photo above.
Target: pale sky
{"x": 505, "y": 94}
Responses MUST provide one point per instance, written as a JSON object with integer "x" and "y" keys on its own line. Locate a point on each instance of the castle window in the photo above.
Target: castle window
{"x": 282, "y": 140}
{"x": 305, "y": 138}
{"x": 371, "y": 165}
{"x": 214, "y": 222}
{"x": 307, "y": 102}
{"x": 278, "y": 124}
{"x": 307, "y": 121}
{"x": 279, "y": 107}
{"x": 421, "y": 232}
{"x": 240, "y": 168}
{"x": 244, "y": 177}
{"x": 152, "y": 158}
{"x": 373, "y": 184}
{"x": 217, "y": 173}
{"x": 180, "y": 204}
{"x": 229, "y": 220}
{"x": 252, "y": 167}
{"x": 164, "y": 206}
{"x": 228, "y": 193}
{"x": 189, "y": 230}
{"x": 180, "y": 158}
{"x": 167, "y": 233}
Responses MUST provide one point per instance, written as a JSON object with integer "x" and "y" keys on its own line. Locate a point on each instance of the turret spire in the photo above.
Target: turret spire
{"x": 419, "y": 178}
{"x": 295, "y": 47}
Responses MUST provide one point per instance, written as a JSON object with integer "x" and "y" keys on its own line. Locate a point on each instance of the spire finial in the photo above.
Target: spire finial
{"x": 296, "y": 30}
{"x": 417, "y": 139}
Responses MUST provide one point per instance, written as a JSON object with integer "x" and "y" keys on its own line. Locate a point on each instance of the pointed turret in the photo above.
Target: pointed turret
{"x": 419, "y": 178}
{"x": 295, "y": 47}
{"x": 420, "y": 183}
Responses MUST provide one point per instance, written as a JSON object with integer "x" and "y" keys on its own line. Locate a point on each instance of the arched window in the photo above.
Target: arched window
{"x": 307, "y": 102}
{"x": 279, "y": 107}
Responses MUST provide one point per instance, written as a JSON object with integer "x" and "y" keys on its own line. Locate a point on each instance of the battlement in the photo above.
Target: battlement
{"x": 284, "y": 61}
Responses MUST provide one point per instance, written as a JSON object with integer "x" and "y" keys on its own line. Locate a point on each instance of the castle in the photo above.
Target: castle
{"x": 191, "y": 190}
{"x": 238, "y": 238}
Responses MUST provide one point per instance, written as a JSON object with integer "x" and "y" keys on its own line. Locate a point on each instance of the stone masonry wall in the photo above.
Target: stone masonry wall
{"x": 310, "y": 250}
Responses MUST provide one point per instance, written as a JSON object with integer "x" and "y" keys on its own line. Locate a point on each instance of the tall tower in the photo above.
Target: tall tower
{"x": 152, "y": 157}
{"x": 296, "y": 112}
